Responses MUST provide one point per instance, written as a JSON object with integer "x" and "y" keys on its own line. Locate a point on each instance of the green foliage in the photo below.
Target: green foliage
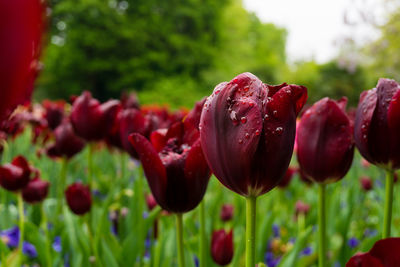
{"x": 169, "y": 51}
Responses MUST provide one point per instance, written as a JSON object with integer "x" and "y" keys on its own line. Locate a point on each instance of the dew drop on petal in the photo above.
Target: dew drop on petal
{"x": 240, "y": 141}
{"x": 243, "y": 120}
{"x": 279, "y": 130}
{"x": 257, "y": 132}
{"x": 247, "y": 135}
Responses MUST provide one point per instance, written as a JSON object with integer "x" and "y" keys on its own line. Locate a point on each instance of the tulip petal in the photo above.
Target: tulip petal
{"x": 158, "y": 139}
{"x": 363, "y": 260}
{"x": 394, "y": 130}
{"x": 387, "y": 251}
{"x": 132, "y": 121}
{"x": 325, "y": 131}
{"x": 362, "y": 123}
{"x": 153, "y": 167}
{"x": 231, "y": 123}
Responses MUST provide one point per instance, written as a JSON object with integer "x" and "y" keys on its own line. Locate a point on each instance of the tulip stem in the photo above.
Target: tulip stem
{"x": 179, "y": 239}
{"x": 251, "y": 203}
{"x": 321, "y": 225}
{"x": 21, "y": 220}
{"x": 387, "y": 217}
{"x": 46, "y": 232}
{"x": 90, "y": 165}
{"x": 61, "y": 185}
{"x": 202, "y": 254}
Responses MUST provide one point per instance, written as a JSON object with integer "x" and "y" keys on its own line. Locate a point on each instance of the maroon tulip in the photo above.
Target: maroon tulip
{"x": 247, "y": 132}
{"x": 222, "y": 247}
{"x": 377, "y": 124}
{"x": 92, "y": 120}
{"x": 226, "y": 212}
{"x": 132, "y": 121}
{"x": 78, "y": 198}
{"x": 54, "y": 113}
{"x": 385, "y": 253}
{"x": 22, "y": 23}
{"x": 35, "y": 191}
{"x": 325, "y": 141}
{"x": 114, "y": 138}
{"x": 178, "y": 175}
{"x": 15, "y": 175}
{"x": 67, "y": 143}
{"x": 301, "y": 208}
{"x": 366, "y": 183}
{"x": 287, "y": 178}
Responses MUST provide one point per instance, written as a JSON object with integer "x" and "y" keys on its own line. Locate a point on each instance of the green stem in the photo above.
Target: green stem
{"x": 61, "y": 185}
{"x": 202, "y": 255}
{"x": 321, "y": 225}
{"x": 90, "y": 165}
{"x": 123, "y": 164}
{"x": 179, "y": 239}
{"x": 46, "y": 232}
{"x": 93, "y": 244}
{"x": 251, "y": 203}
{"x": 387, "y": 217}
{"x": 301, "y": 222}
{"x": 21, "y": 220}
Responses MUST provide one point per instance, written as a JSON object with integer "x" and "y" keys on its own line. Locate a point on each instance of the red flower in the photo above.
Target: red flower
{"x": 92, "y": 120}
{"x": 247, "y": 132}
{"x": 325, "y": 141}
{"x": 54, "y": 112}
{"x": 222, "y": 247}
{"x": 366, "y": 183}
{"x": 287, "y": 178}
{"x": 301, "y": 208}
{"x": 178, "y": 175}
{"x": 22, "y": 23}
{"x": 16, "y": 175}
{"x": 377, "y": 124}
{"x": 78, "y": 198}
{"x": 132, "y": 121}
{"x": 35, "y": 191}
{"x": 67, "y": 143}
{"x": 226, "y": 212}
{"x": 385, "y": 253}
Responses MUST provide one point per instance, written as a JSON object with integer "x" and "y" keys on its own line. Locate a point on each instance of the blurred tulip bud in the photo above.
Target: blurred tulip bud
{"x": 366, "y": 183}
{"x": 15, "y": 175}
{"x": 78, "y": 198}
{"x": 226, "y": 212}
{"x": 222, "y": 247}
{"x": 35, "y": 191}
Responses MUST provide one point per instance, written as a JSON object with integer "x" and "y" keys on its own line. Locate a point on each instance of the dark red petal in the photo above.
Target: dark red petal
{"x": 222, "y": 247}
{"x": 362, "y": 123}
{"x": 394, "y": 130}
{"x": 22, "y": 23}
{"x": 325, "y": 144}
{"x": 231, "y": 124}
{"x": 10, "y": 177}
{"x": 153, "y": 167}
{"x": 22, "y": 163}
{"x": 364, "y": 260}
{"x": 67, "y": 143}
{"x": 387, "y": 251}
{"x": 158, "y": 139}
{"x": 132, "y": 121}
{"x": 35, "y": 191}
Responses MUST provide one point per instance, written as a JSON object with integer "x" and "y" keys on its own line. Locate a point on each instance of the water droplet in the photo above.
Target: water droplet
{"x": 266, "y": 117}
{"x": 275, "y": 113}
{"x": 246, "y": 88}
{"x": 243, "y": 120}
{"x": 235, "y": 80}
{"x": 257, "y": 132}
{"x": 251, "y": 104}
{"x": 247, "y": 135}
{"x": 279, "y": 130}
{"x": 217, "y": 91}
{"x": 240, "y": 141}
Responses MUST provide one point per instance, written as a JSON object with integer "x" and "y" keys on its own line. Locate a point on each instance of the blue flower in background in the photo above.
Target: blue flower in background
{"x": 57, "y": 244}
{"x": 29, "y": 250}
{"x": 307, "y": 251}
{"x": 370, "y": 232}
{"x": 10, "y": 237}
{"x": 270, "y": 260}
{"x": 353, "y": 242}
{"x": 196, "y": 261}
{"x": 145, "y": 215}
{"x": 276, "y": 230}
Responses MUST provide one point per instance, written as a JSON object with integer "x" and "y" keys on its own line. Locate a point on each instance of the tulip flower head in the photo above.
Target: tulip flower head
{"x": 177, "y": 174}
{"x": 92, "y": 120}
{"x": 54, "y": 112}
{"x": 247, "y": 131}
{"x": 67, "y": 143}
{"x": 222, "y": 247}
{"x": 15, "y": 175}
{"x": 377, "y": 124}
{"x": 384, "y": 253}
{"x": 366, "y": 183}
{"x": 325, "y": 141}
{"x": 301, "y": 208}
{"x": 78, "y": 198}
{"x": 226, "y": 213}
{"x": 35, "y": 191}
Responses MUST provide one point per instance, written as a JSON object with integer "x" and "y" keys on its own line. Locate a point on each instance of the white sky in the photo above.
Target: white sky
{"x": 314, "y": 25}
